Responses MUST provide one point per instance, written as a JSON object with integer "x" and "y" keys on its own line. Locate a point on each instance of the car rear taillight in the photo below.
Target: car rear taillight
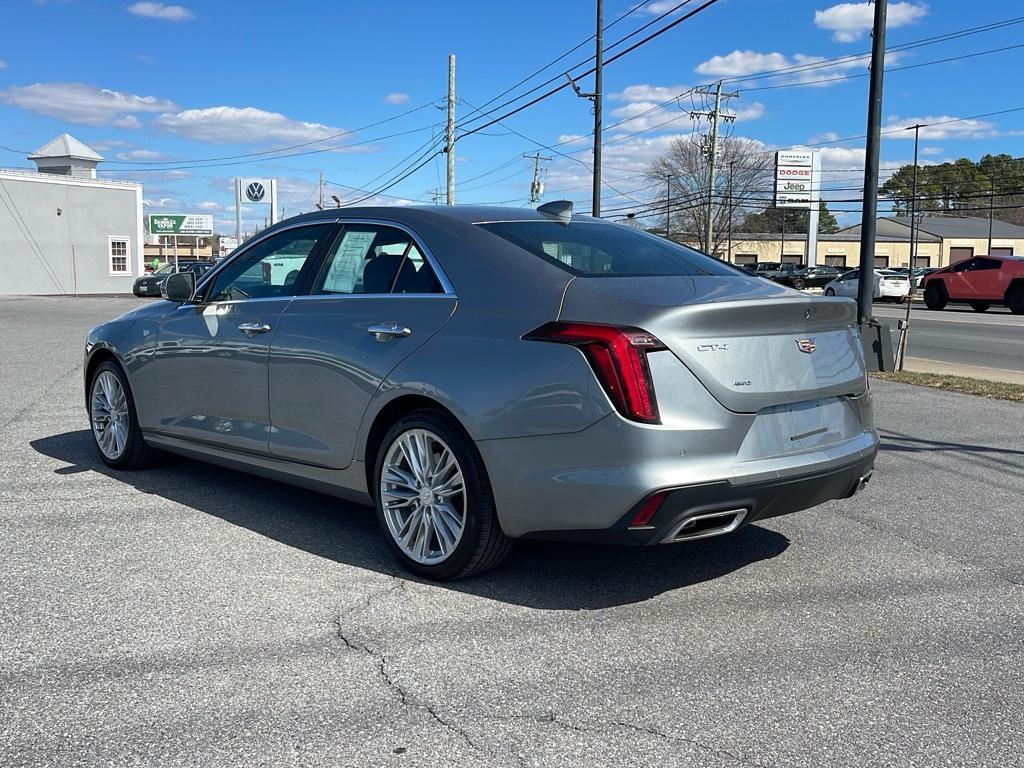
{"x": 619, "y": 359}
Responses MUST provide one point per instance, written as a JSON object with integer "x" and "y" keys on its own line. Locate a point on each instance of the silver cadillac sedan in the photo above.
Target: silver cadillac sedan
{"x": 485, "y": 374}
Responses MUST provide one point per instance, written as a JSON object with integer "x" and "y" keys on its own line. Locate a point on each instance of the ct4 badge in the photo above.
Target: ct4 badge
{"x": 806, "y": 345}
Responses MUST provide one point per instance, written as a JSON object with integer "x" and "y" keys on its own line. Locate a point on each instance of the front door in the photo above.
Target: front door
{"x": 375, "y": 300}
{"x": 211, "y": 360}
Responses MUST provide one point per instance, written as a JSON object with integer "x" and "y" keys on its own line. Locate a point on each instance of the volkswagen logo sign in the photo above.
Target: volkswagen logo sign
{"x": 255, "y": 192}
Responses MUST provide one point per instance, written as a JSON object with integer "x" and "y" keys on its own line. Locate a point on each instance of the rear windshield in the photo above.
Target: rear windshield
{"x": 607, "y": 250}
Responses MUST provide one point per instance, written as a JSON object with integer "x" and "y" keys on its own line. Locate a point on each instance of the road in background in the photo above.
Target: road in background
{"x": 189, "y": 615}
{"x": 958, "y": 334}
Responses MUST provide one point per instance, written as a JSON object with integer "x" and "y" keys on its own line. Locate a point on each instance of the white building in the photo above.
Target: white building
{"x": 63, "y": 231}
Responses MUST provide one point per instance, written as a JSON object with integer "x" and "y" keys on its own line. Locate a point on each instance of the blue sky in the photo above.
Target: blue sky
{"x": 164, "y": 84}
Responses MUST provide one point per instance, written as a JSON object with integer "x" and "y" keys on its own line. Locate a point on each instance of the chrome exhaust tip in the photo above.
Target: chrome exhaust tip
{"x": 861, "y": 483}
{"x": 705, "y": 525}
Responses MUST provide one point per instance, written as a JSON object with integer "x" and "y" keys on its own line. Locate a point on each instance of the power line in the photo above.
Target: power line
{"x": 619, "y": 55}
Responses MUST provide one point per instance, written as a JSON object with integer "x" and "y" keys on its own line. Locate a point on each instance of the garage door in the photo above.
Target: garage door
{"x": 835, "y": 261}
{"x": 881, "y": 262}
{"x": 1007, "y": 251}
{"x": 960, "y": 253}
{"x": 746, "y": 258}
{"x": 922, "y": 261}
{"x": 794, "y": 259}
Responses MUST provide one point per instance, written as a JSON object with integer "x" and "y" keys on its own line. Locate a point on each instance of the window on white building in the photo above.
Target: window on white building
{"x": 119, "y": 256}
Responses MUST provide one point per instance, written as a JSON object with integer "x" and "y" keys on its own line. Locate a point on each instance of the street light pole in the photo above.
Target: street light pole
{"x": 595, "y": 206}
{"x": 866, "y": 282}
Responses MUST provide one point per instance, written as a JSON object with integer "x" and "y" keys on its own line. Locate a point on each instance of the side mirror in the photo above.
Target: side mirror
{"x": 181, "y": 286}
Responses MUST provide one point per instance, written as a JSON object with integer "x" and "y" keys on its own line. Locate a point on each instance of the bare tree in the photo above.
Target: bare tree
{"x": 743, "y": 183}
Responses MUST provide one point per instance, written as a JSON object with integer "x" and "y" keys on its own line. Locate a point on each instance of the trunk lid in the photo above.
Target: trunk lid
{"x": 752, "y": 343}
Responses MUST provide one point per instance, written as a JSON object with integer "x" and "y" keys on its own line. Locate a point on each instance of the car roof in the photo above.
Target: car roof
{"x": 468, "y": 214}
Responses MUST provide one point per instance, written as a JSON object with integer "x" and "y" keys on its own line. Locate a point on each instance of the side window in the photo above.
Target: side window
{"x": 964, "y": 266}
{"x": 270, "y": 268}
{"x": 986, "y": 264}
{"x": 371, "y": 258}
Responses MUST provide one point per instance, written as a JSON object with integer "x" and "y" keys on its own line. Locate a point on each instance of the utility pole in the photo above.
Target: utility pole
{"x": 595, "y": 206}
{"x": 866, "y": 282}
{"x": 320, "y": 205}
{"x": 536, "y": 186}
{"x": 991, "y": 211}
{"x": 732, "y": 203}
{"x": 435, "y": 196}
{"x": 668, "y": 204}
{"x": 449, "y": 144}
{"x": 713, "y": 117}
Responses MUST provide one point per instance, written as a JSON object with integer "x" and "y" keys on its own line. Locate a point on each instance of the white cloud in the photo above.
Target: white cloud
{"x": 242, "y": 125}
{"x": 141, "y": 154}
{"x": 82, "y": 103}
{"x": 933, "y": 129}
{"x": 130, "y": 122}
{"x": 210, "y": 205}
{"x": 932, "y": 150}
{"x": 809, "y": 69}
{"x": 659, "y": 7}
{"x": 396, "y": 98}
{"x": 3, "y": 64}
{"x": 849, "y": 21}
{"x": 645, "y": 92}
{"x": 161, "y": 11}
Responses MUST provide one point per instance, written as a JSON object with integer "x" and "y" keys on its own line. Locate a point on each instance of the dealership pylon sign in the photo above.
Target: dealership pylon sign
{"x": 190, "y": 224}
{"x": 798, "y": 185}
{"x": 254, "y": 192}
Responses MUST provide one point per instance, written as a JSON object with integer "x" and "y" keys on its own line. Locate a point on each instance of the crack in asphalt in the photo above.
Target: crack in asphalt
{"x": 543, "y": 718}
{"x": 553, "y": 719}
{"x": 390, "y": 682}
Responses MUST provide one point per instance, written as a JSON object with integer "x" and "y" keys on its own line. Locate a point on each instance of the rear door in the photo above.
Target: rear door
{"x": 378, "y": 295}
{"x": 211, "y": 359}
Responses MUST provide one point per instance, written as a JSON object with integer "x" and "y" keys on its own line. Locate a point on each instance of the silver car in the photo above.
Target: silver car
{"x": 485, "y": 374}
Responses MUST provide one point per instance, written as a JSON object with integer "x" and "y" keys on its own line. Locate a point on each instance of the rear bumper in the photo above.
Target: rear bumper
{"x": 586, "y": 485}
{"x": 750, "y": 503}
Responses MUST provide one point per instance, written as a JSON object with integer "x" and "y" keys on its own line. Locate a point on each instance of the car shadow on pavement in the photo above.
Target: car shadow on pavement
{"x": 544, "y": 575}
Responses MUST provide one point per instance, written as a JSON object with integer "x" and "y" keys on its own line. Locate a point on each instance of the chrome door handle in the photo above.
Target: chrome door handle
{"x": 388, "y": 331}
{"x": 251, "y": 329}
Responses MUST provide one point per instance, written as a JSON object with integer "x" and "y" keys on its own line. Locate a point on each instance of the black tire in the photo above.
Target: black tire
{"x": 136, "y": 454}
{"x": 799, "y": 283}
{"x": 935, "y": 297}
{"x": 483, "y": 544}
{"x": 830, "y": 292}
{"x": 980, "y": 306}
{"x": 1015, "y": 299}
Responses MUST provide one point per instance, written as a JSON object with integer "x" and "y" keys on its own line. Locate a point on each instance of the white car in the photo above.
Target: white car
{"x": 889, "y": 286}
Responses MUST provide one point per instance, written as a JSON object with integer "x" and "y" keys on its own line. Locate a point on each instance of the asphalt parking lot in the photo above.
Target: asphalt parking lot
{"x": 193, "y": 616}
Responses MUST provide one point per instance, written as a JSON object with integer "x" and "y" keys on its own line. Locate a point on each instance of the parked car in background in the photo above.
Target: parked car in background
{"x": 151, "y": 284}
{"x": 482, "y": 374}
{"x": 810, "y": 277}
{"x": 888, "y": 287}
{"x": 773, "y": 269}
{"x": 919, "y": 274}
{"x": 980, "y": 282}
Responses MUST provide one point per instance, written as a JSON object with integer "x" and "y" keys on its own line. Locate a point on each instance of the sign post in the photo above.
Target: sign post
{"x": 254, "y": 192}
{"x": 798, "y": 186}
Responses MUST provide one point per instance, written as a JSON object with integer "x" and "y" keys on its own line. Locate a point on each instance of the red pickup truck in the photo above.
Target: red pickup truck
{"x": 980, "y": 282}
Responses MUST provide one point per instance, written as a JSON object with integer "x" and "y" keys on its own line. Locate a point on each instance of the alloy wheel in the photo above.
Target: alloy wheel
{"x": 423, "y": 496}
{"x": 109, "y": 415}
